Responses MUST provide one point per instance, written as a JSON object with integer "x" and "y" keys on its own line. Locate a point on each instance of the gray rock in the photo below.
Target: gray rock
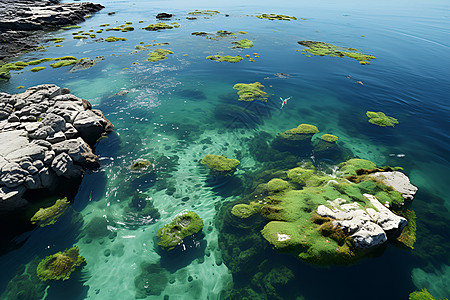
{"x": 12, "y": 175}
{"x": 32, "y": 151}
{"x": 57, "y": 123}
{"x": 79, "y": 151}
{"x": 399, "y": 182}
{"x": 48, "y": 157}
{"x": 47, "y": 177}
{"x": 63, "y": 166}
{"x": 11, "y": 198}
{"x": 56, "y": 138}
{"x": 33, "y": 182}
{"x": 90, "y": 126}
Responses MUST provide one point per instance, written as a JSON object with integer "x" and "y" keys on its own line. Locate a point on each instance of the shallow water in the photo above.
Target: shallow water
{"x": 178, "y": 110}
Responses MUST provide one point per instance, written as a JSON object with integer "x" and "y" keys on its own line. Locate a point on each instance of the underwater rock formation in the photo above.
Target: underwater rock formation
{"x": 227, "y": 58}
{"x": 185, "y": 224}
{"x": 18, "y": 22}
{"x": 60, "y": 265}
{"x": 46, "y": 136}
{"x": 295, "y": 140}
{"x": 158, "y": 54}
{"x": 220, "y": 164}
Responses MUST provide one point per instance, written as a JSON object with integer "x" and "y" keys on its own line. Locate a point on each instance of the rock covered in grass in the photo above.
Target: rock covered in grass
{"x": 380, "y": 119}
{"x": 185, "y": 224}
{"x": 251, "y": 91}
{"x": 49, "y": 215}
{"x": 46, "y": 135}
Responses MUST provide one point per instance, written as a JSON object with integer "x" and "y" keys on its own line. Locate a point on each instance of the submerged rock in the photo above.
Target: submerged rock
{"x": 380, "y": 119}
{"x": 185, "y": 224}
{"x": 60, "y": 265}
{"x": 46, "y": 136}
{"x": 220, "y": 164}
{"x": 49, "y": 215}
{"x": 250, "y": 91}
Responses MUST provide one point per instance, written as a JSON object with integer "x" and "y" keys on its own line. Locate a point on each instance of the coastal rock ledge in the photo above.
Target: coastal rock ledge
{"x": 46, "y": 136}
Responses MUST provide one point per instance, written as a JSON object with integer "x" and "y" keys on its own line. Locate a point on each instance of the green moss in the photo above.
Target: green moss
{"x": 350, "y": 167}
{"x": 324, "y": 49}
{"x": 276, "y": 17}
{"x": 57, "y": 40}
{"x": 39, "y": 61}
{"x": 20, "y": 87}
{"x": 184, "y": 225}
{"x": 70, "y": 27}
{"x": 277, "y": 185}
{"x": 421, "y": 295}
{"x": 227, "y": 58}
{"x": 158, "y": 54}
{"x": 219, "y": 164}
{"x": 112, "y": 39}
{"x": 307, "y": 177}
{"x": 380, "y": 119}
{"x": 329, "y": 138}
{"x": 408, "y": 234}
{"x": 128, "y": 28}
{"x": 49, "y": 215}
{"x": 158, "y": 26}
{"x": 140, "y": 165}
{"x": 199, "y": 33}
{"x": 63, "y": 63}
{"x": 60, "y": 265}
{"x": 250, "y": 91}
{"x": 204, "y": 12}
{"x": 79, "y": 37}
{"x": 37, "y": 69}
{"x": 244, "y": 211}
{"x": 244, "y": 43}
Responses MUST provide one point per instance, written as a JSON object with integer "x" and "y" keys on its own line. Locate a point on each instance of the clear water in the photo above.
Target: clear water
{"x": 174, "y": 115}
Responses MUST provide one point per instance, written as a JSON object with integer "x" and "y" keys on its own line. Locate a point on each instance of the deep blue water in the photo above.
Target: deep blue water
{"x": 175, "y": 114}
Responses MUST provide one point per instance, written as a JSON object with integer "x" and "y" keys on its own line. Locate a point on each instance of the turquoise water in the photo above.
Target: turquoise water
{"x": 180, "y": 109}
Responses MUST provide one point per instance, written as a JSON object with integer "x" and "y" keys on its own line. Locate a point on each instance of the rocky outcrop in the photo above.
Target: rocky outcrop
{"x": 369, "y": 227}
{"x": 19, "y": 19}
{"x": 399, "y": 182}
{"x": 45, "y": 135}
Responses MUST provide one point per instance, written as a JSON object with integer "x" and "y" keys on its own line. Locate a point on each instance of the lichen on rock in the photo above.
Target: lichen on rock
{"x": 60, "y": 265}
{"x": 185, "y": 224}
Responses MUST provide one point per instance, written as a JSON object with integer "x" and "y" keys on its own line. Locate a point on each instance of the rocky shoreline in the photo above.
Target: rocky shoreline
{"x": 46, "y": 136}
{"x": 21, "y": 21}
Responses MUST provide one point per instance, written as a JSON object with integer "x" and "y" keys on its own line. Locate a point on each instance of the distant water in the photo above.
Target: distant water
{"x": 180, "y": 109}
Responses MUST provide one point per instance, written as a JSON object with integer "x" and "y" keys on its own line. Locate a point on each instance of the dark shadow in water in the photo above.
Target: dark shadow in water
{"x": 74, "y": 287}
{"x": 191, "y": 248}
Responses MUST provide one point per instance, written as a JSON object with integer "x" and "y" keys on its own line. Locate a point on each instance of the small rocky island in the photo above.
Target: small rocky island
{"x": 19, "y": 21}
{"x": 46, "y": 136}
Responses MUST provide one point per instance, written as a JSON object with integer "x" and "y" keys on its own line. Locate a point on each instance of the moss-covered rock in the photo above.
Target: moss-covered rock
{"x": 141, "y": 164}
{"x": 60, "y": 265}
{"x": 64, "y": 63}
{"x": 204, "y": 12}
{"x": 276, "y": 17}
{"x": 244, "y": 211}
{"x": 158, "y": 54}
{"x": 380, "y": 119}
{"x": 184, "y": 225}
{"x": 408, "y": 234}
{"x": 37, "y": 69}
{"x": 324, "y": 49}
{"x": 49, "y": 215}
{"x": 329, "y": 138}
{"x": 227, "y": 58}
{"x": 113, "y": 39}
{"x": 351, "y": 166}
{"x": 296, "y": 140}
{"x": 250, "y": 91}
{"x": 277, "y": 185}
{"x": 244, "y": 44}
{"x": 158, "y": 26}
{"x": 421, "y": 295}
{"x": 220, "y": 164}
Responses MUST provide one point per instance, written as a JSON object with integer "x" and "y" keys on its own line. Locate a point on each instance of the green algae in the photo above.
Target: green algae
{"x": 350, "y": 167}
{"x": 37, "y": 69}
{"x": 408, "y": 235}
{"x": 277, "y": 185}
{"x": 204, "y": 12}
{"x": 70, "y": 27}
{"x": 244, "y": 211}
{"x": 244, "y": 44}
{"x": 227, "y": 58}
{"x": 242, "y": 32}
{"x": 48, "y": 216}
{"x": 380, "y": 119}
{"x": 128, "y": 28}
{"x": 60, "y": 265}
{"x": 142, "y": 164}
{"x": 184, "y": 225}
{"x": 57, "y": 40}
{"x": 5, "y": 68}
{"x": 158, "y": 26}
{"x": 113, "y": 29}
{"x": 64, "y": 63}
{"x": 329, "y": 138}
{"x": 105, "y": 25}
{"x": 39, "y": 61}
{"x": 220, "y": 164}
{"x": 276, "y": 17}
{"x": 422, "y": 295}
{"x": 113, "y": 39}
{"x": 324, "y": 49}
{"x": 250, "y": 91}
{"x": 158, "y": 54}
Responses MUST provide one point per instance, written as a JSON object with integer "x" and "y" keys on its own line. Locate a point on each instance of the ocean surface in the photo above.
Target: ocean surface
{"x": 176, "y": 111}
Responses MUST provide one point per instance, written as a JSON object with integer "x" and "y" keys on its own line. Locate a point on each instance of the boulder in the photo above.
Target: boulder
{"x": 399, "y": 182}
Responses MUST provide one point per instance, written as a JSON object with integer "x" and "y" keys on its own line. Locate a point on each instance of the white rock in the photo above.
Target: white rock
{"x": 399, "y": 182}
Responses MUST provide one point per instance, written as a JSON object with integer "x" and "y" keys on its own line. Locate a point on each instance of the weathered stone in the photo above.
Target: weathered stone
{"x": 48, "y": 158}
{"x": 399, "y": 182}
{"x": 12, "y": 175}
{"x": 63, "y": 166}
{"x": 33, "y": 182}
{"x": 79, "y": 151}
{"x": 56, "y": 138}
{"x": 11, "y": 198}
{"x": 90, "y": 126}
